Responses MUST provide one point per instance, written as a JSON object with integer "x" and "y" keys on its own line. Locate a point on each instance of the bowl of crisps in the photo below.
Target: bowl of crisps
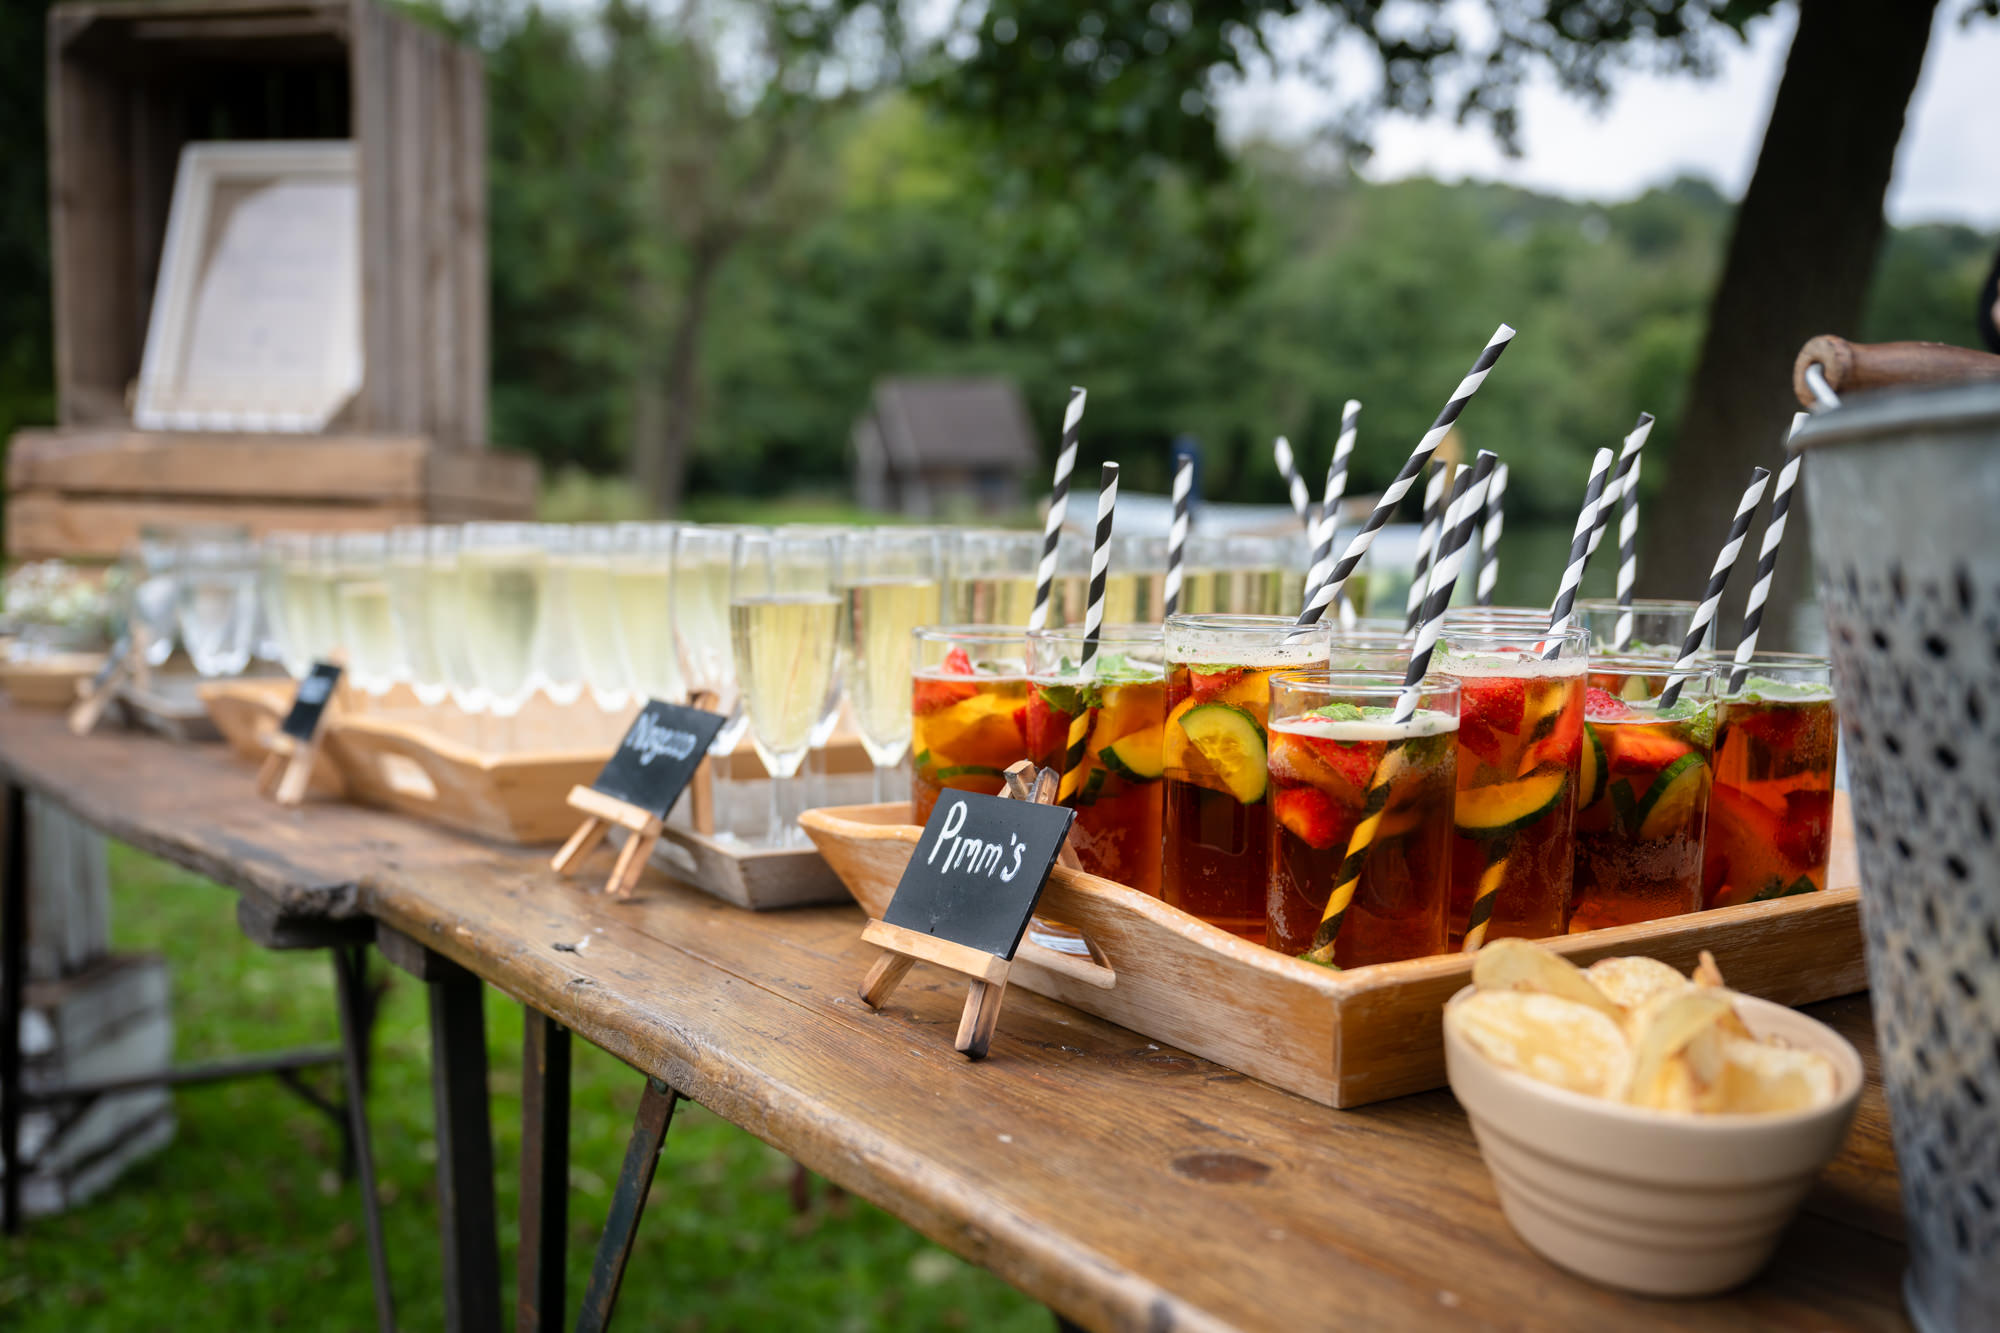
{"x": 1646, "y": 1130}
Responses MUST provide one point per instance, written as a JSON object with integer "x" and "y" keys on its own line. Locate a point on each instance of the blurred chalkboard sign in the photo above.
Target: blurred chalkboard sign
{"x": 638, "y": 786}
{"x": 295, "y": 745}
{"x": 95, "y": 695}
{"x": 965, "y": 898}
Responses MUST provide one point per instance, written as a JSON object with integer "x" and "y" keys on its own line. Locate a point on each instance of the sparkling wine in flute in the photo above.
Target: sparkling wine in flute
{"x": 646, "y": 629}
{"x": 447, "y": 615}
{"x": 784, "y": 652}
{"x": 307, "y": 596}
{"x": 702, "y": 634}
{"x": 410, "y": 582}
{"x": 594, "y": 618}
{"x": 992, "y": 599}
{"x": 367, "y": 631}
{"x": 876, "y": 619}
{"x": 502, "y": 591}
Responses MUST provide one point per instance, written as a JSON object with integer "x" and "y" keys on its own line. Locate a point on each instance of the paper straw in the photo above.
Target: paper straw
{"x": 1489, "y": 538}
{"x": 1178, "y": 533}
{"x": 1324, "y": 595}
{"x": 1045, "y": 577}
{"x": 1427, "y": 539}
{"x": 1767, "y": 560}
{"x": 1579, "y": 552}
{"x": 1718, "y": 579}
{"x": 1093, "y": 625}
{"x": 1468, "y": 497}
{"x": 1295, "y": 485}
{"x": 1628, "y": 459}
{"x": 1336, "y": 488}
{"x": 1628, "y": 555}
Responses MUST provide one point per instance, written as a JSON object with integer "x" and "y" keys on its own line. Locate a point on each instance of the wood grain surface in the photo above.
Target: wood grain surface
{"x": 1125, "y": 1183}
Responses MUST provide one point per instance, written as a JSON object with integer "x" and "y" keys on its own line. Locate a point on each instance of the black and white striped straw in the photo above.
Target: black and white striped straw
{"x": 1295, "y": 485}
{"x": 1336, "y": 488}
{"x": 1718, "y": 579}
{"x": 1468, "y": 497}
{"x": 1579, "y": 551}
{"x": 1489, "y": 538}
{"x": 1357, "y": 550}
{"x": 1045, "y": 576}
{"x": 1628, "y": 459}
{"x": 1427, "y": 540}
{"x": 1628, "y": 555}
{"x": 1767, "y": 559}
{"x": 1177, "y": 534}
{"x": 1093, "y": 625}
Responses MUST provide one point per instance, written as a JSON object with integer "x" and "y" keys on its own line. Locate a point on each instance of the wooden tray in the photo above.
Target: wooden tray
{"x": 48, "y": 682}
{"x": 1341, "y": 1038}
{"x": 168, "y": 705}
{"x": 761, "y": 879}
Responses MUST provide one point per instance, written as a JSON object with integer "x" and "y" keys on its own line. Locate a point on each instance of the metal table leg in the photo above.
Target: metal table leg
{"x": 13, "y": 982}
{"x": 628, "y": 1201}
{"x": 357, "y": 1004}
{"x": 545, "y": 1057}
{"x": 465, "y": 1151}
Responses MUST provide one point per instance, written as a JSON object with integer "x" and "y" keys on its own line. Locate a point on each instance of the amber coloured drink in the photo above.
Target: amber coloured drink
{"x": 1115, "y": 788}
{"x": 969, "y": 712}
{"x": 1642, "y": 794}
{"x": 1215, "y": 819}
{"x": 1770, "y": 818}
{"x": 1336, "y": 759}
{"x": 1520, "y": 737}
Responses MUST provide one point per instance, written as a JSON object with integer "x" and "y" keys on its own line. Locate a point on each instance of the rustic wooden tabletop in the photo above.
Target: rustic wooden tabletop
{"x": 1125, "y": 1185}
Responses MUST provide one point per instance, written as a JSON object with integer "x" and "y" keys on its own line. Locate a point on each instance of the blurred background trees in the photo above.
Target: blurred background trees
{"x": 714, "y": 225}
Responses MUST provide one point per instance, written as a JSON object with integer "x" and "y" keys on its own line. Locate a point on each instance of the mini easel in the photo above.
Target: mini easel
{"x": 904, "y": 948}
{"x": 287, "y": 770}
{"x": 94, "y": 697}
{"x": 600, "y": 813}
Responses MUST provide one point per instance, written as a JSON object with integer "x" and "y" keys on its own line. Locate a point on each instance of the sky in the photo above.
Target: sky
{"x": 1655, "y": 127}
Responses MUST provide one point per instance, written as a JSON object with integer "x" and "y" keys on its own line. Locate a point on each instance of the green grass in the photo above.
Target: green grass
{"x": 243, "y": 1221}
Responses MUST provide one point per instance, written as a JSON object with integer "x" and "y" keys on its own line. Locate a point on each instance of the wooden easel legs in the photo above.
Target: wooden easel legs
{"x": 600, "y": 813}
{"x": 903, "y": 948}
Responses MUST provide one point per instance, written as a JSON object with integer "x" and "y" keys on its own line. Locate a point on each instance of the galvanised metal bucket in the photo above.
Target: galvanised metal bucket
{"x": 1904, "y": 490}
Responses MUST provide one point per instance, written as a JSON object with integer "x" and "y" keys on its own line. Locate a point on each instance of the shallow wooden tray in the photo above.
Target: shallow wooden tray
{"x": 48, "y": 682}
{"x": 169, "y": 705}
{"x": 1341, "y": 1038}
{"x": 761, "y": 879}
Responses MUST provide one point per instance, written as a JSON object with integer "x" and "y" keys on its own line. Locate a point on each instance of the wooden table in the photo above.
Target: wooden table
{"x": 1124, "y": 1185}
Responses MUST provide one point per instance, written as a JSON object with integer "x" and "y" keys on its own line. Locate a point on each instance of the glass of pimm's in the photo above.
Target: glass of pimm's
{"x": 1520, "y": 737}
{"x": 1215, "y": 818}
{"x": 1770, "y": 818}
{"x": 1642, "y": 792}
{"x": 969, "y": 711}
{"x": 1361, "y": 817}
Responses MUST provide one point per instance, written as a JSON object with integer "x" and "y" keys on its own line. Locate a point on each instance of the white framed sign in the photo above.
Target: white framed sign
{"x": 256, "y": 322}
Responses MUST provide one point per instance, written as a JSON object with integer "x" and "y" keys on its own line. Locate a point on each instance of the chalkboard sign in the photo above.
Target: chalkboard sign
{"x": 309, "y": 704}
{"x": 660, "y": 752}
{"x": 978, "y": 870}
{"x": 117, "y": 660}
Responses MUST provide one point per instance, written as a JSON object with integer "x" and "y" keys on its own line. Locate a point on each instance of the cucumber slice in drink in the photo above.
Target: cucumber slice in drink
{"x": 1488, "y": 812}
{"x": 1668, "y": 805}
{"x": 1233, "y": 743}
{"x": 1136, "y": 758}
{"x": 1590, "y": 771}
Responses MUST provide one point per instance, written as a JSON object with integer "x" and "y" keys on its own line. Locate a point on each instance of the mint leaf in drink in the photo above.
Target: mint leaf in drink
{"x": 1063, "y": 698}
{"x": 1339, "y": 712}
{"x": 1763, "y": 689}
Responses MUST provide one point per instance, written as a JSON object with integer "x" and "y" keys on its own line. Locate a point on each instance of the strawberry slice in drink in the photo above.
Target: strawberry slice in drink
{"x": 931, "y": 695}
{"x": 1313, "y": 816}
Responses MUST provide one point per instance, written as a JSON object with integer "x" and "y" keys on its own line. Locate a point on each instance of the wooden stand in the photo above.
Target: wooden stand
{"x": 601, "y": 813}
{"x": 903, "y": 948}
{"x": 288, "y": 769}
{"x": 92, "y": 703}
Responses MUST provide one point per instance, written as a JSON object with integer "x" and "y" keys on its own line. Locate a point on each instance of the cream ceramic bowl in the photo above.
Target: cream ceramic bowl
{"x": 1648, "y": 1201}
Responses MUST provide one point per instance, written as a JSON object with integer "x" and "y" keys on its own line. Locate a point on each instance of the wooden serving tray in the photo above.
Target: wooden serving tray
{"x": 761, "y": 879}
{"x": 1341, "y": 1038}
{"x": 48, "y": 682}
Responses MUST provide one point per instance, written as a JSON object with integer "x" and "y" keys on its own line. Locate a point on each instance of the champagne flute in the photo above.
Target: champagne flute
{"x": 1135, "y": 589}
{"x": 829, "y": 713}
{"x": 991, "y": 577}
{"x": 287, "y": 568}
{"x": 361, "y": 605}
{"x": 558, "y": 667}
{"x": 888, "y": 582}
{"x": 410, "y": 609}
{"x": 782, "y": 619}
{"x": 642, "y": 577}
{"x": 701, "y": 623}
{"x": 447, "y": 612}
{"x": 500, "y": 573}
{"x": 594, "y": 616}
{"x": 215, "y": 604}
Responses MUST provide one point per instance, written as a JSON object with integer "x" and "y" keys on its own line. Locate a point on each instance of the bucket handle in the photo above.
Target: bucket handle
{"x": 1844, "y": 367}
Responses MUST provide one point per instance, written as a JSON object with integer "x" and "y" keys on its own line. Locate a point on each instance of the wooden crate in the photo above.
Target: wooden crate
{"x": 129, "y": 85}
{"x": 1342, "y": 1038}
{"x": 87, "y": 491}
